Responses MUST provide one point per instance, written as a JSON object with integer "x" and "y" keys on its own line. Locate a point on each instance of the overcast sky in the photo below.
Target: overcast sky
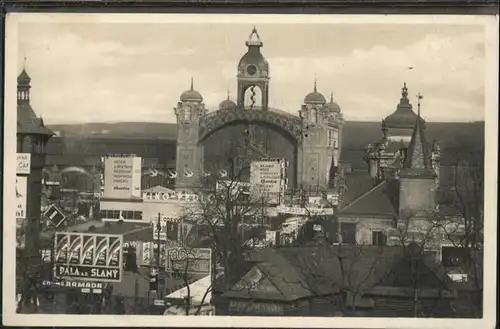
{"x": 106, "y": 72}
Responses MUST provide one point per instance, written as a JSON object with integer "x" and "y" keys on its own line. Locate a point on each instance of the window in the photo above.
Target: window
{"x": 379, "y": 238}
{"x": 348, "y": 232}
{"x": 121, "y": 214}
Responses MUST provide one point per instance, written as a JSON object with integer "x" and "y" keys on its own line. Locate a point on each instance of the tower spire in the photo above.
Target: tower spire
{"x": 228, "y": 94}
{"x": 404, "y": 91}
{"x": 315, "y": 84}
{"x": 331, "y": 97}
{"x": 192, "y": 84}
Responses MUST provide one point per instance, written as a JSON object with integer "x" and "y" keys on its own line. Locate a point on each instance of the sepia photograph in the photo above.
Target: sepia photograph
{"x": 250, "y": 170}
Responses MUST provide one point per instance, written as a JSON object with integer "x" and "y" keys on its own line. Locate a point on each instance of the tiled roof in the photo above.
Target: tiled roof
{"x": 357, "y": 183}
{"x": 29, "y": 123}
{"x": 299, "y": 272}
{"x": 380, "y": 200}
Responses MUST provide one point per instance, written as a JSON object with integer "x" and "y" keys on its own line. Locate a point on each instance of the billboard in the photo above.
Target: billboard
{"x": 23, "y": 163}
{"x": 169, "y": 228}
{"x": 266, "y": 179}
{"x": 122, "y": 177}
{"x": 92, "y": 257}
{"x": 192, "y": 260}
{"x": 148, "y": 253}
{"x": 21, "y": 197}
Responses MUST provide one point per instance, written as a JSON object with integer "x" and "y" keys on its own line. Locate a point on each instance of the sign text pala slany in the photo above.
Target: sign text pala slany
{"x": 87, "y": 272}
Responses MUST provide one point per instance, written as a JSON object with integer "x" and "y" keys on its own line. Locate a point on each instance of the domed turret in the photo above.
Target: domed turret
{"x": 191, "y": 95}
{"x": 253, "y": 61}
{"x": 403, "y": 117}
{"x": 227, "y": 104}
{"x": 23, "y": 78}
{"x": 332, "y": 106}
{"x": 315, "y": 97}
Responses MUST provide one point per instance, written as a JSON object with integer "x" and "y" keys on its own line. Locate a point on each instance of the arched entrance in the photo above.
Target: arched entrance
{"x": 244, "y": 135}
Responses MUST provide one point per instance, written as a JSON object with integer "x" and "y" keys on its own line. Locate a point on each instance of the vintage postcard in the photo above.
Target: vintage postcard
{"x": 250, "y": 171}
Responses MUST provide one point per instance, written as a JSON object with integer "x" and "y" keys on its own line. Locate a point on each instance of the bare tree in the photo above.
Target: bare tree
{"x": 462, "y": 196}
{"x": 224, "y": 206}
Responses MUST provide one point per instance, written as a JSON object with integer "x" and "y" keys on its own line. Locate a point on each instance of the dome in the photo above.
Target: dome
{"x": 23, "y": 78}
{"x": 227, "y": 104}
{"x": 403, "y": 117}
{"x": 332, "y": 106}
{"x": 191, "y": 95}
{"x": 315, "y": 97}
{"x": 253, "y": 56}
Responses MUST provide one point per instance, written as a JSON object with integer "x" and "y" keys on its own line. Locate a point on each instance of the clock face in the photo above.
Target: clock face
{"x": 251, "y": 69}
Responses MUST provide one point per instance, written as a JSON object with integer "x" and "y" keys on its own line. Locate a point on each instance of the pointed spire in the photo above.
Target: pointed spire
{"x": 404, "y": 91}
{"x": 418, "y": 156}
{"x": 228, "y": 94}
{"x": 315, "y": 84}
{"x": 331, "y": 97}
{"x": 192, "y": 84}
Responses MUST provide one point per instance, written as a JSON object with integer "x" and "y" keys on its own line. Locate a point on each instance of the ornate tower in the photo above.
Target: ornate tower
{"x": 32, "y": 138}
{"x": 417, "y": 188}
{"x": 335, "y": 127}
{"x": 189, "y": 157}
{"x": 253, "y": 72}
{"x": 316, "y": 150}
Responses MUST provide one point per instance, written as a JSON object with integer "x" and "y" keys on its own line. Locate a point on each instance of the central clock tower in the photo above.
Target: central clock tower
{"x": 253, "y": 72}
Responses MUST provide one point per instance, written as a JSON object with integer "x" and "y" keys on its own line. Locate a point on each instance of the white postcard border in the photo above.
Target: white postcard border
{"x": 491, "y": 133}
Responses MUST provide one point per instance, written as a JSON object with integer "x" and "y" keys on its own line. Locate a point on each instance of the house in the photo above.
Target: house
{"x": 340, "y": 280}
{"x": 404, "y": 176}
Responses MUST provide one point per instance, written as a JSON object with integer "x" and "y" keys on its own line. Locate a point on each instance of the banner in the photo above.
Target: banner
{"x": 23, "y": 163}
{"x": 190, "y": 260}
{"x": 266, "y": 179}
{"x": 122, "y": 177}
{"x": 93, "y": 257}
{"x": 21, "y": 195}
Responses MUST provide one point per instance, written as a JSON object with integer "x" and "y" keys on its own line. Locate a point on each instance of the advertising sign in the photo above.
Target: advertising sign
{"x": 21, "y": 197}
{"x": 54, "y": 215}
{"x": 194, "y": 260}
{"x": 169, "y": 228}
{"x": 149, "y": 252}
{"x": 23, "y": 163}
{"x": 93, "y": 257}
{"x": 266, "y": 179}
{"x": 95, "y": 287}
{"x": 304, "y": 211}
{"x": 122, "y": 177}
{"x": 148, "y": 196}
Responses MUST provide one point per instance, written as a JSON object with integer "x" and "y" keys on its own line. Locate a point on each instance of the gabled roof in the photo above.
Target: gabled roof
{"x": 301, "y": 272}
{"x": 380, "y": 200}
{"x": 158, "y": 189}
